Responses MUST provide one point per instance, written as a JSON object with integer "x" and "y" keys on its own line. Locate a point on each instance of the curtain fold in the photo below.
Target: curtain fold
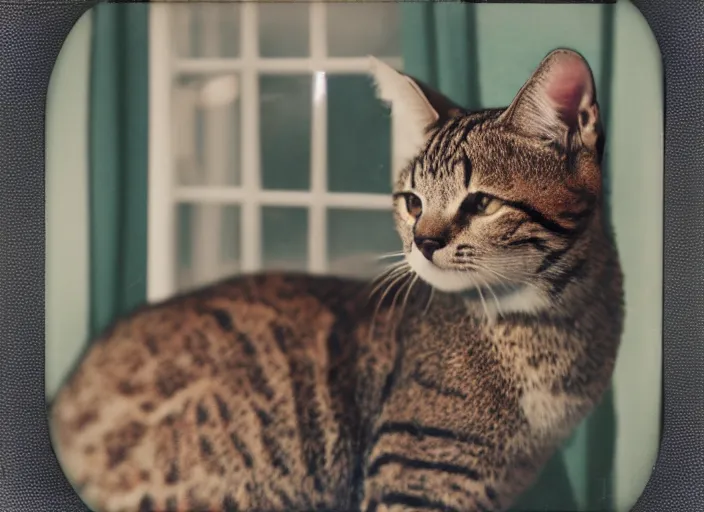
{"x": 441, "y": 46}
{"x": 118, "y": 161}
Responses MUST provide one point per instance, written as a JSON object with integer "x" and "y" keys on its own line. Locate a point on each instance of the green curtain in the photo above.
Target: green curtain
{"x": 118, "y": 161}
{"x": 458, "y": 48}
{"x": 439, "y": 47}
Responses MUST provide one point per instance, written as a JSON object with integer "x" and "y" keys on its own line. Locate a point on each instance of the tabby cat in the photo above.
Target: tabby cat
{"x": 447, "y": 390}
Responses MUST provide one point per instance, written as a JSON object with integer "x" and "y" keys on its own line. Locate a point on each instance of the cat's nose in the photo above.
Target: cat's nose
{"x": 428, "y": 246}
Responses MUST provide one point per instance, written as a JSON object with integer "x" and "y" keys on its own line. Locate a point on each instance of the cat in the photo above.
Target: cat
{"x": 449, "y": 389}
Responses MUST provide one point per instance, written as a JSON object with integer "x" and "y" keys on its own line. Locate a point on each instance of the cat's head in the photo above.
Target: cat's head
{"x": 495, "y": 196}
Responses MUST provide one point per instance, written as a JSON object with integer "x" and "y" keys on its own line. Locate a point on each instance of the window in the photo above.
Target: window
{"x": 267, "y": 146}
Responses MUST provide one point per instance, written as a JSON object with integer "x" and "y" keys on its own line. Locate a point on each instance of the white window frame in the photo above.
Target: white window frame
{"x": 165, "y": 194}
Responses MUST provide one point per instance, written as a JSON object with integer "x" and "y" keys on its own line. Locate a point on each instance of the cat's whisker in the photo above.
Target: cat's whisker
{"x": 430, "y": 299}
{"x": 554, "y": 306}
{"x": 506, "y": 278}
{"x": 409, "y": 282}
{"x": 496, "y": 299}
{"x": 503, "y": 279}
{"x": 390, "y": 255}
{"x": 518, "y": 268}
{"x": 395, "y": 264}
{"x": 386, "y": 281}
{"x": 408, "y": 292}
{"x": 509, "y": 263}
{"x": 391, "y": 267}
{"x": 501, "y": 276}
{"x": 473, "y": 263}
{"x": 399, "y": 290}
{"x": 389, "y": 286}
{"x": 387, "y": 274}
{"x": 481, "y": 297}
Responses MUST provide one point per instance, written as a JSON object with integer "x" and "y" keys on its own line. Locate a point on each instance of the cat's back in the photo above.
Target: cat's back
{"x": 214, "y": 398}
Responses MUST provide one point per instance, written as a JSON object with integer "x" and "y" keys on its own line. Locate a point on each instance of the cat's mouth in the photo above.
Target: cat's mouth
{"x": 442, "y": 279}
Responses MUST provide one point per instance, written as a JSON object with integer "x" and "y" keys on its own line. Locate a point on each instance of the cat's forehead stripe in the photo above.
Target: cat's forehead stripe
{"x": 437, "y": 146}
{"x": 441, "y": 150}
{"x": 467, "y": 169}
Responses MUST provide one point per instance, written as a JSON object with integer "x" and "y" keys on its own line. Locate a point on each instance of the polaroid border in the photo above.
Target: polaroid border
{"x": 33, "y": 31}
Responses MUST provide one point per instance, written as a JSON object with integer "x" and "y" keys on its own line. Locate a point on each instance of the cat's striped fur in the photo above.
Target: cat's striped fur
{"x": 448, "y": 393}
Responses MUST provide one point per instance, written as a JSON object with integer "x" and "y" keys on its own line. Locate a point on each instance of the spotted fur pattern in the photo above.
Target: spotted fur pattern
{"x": 447, "y": 391}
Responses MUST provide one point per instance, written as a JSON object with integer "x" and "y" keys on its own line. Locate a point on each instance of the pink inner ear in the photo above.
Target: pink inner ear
{"x": 566, "y": 84}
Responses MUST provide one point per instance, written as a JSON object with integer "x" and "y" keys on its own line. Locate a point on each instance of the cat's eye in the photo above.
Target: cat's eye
{"x": 480, "y": 204}
{"x": 487, "y": 205}
{"x": 414, "y": 205}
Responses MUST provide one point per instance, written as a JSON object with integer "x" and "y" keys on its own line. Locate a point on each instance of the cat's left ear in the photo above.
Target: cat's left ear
{"x": 415, "y": 109}
{"x": 558, "y": 103}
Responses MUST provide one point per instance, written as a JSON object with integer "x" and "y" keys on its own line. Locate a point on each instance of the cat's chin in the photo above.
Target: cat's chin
{"x": 523, "y": 298}
{"x": 444, "y": 280}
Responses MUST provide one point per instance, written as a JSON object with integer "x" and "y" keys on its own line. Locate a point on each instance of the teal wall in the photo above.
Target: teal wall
{"x": 67, "y": 205}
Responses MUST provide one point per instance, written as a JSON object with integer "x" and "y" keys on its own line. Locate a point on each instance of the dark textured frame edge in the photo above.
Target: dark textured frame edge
{"x": 34, "y": 31}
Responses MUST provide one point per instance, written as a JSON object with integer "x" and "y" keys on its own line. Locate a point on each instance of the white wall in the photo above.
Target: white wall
{"x": 67, "y": 205}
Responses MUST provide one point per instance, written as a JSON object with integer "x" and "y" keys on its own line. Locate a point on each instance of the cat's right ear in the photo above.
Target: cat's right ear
{"x": 415, "y": 109}
{"x": 558, "y": 103}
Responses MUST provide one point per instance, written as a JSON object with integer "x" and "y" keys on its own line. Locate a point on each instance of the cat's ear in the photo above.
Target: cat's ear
{"x": 558, "y": 103}
{"x": 415, "y": 108}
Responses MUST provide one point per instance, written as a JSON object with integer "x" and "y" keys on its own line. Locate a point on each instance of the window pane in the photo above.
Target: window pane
{"x": 283, "y": 29}
{"x": 357, "y": 29}
{"x": 206, "y": 130}
{"x": 208, "y": 241}
{"x": 359, "y": 137}
{"x": 230, "y": 238}
{"x": 285, "y": 238}
{"x": 206, "y": 30}
{"x": 356, "y": 238}
{"x": 285, "y": 109}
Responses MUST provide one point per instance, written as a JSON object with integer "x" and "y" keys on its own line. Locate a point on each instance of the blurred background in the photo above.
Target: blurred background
{"x": 191, "y": 141}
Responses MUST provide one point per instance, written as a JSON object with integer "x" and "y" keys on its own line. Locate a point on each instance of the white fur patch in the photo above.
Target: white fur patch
{"x": 546, "y": 413}
{"x": 525, "y": 300}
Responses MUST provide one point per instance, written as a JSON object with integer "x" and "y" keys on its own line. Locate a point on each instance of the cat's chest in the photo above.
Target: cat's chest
{"x": 516, "y": 365}
{"x": 461, "y": 361}
{"x": 539, "y": 357}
